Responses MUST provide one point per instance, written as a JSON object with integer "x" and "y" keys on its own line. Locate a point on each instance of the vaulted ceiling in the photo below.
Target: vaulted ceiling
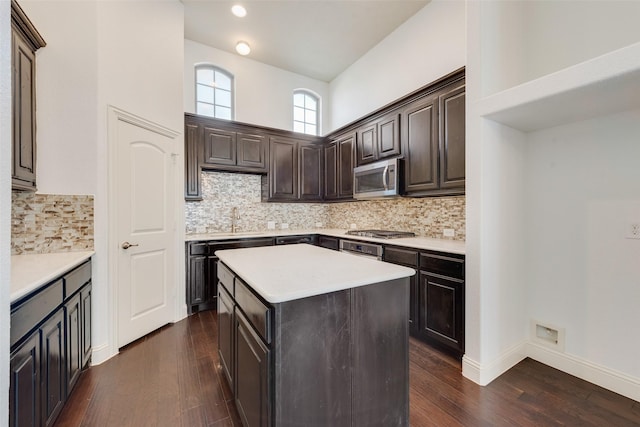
{"x": 315, "y": 38}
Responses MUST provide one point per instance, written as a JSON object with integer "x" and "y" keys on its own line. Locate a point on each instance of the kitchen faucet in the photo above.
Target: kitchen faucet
{"x": 235, "y": 215}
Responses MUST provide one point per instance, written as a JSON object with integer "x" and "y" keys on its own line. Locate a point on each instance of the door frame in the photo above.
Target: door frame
{"x": 115, "y": 115}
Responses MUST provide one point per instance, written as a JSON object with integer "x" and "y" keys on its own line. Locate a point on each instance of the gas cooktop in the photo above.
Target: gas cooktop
{"x": 381, "y": 234}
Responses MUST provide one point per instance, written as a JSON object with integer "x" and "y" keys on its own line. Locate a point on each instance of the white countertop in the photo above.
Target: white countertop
{"x": 29, "y": 272}
{"x": 289, "y": 272}
{"x": 426, "y": 243}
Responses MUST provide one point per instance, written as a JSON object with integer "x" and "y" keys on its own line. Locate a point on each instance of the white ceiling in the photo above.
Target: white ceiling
{"x": 315, "y": 38}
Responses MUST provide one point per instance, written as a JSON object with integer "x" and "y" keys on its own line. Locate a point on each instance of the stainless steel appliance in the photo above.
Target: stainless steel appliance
{"x": 381, "y": 234}
{"x": 377, "y": 180}
{"x": 367, "y": 250}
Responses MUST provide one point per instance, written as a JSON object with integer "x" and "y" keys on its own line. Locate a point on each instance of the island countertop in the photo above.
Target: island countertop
{"x": 290, "y": 272}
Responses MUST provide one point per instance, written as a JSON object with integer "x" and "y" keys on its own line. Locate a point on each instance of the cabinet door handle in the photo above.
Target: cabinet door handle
{"x": 127, "y": 245}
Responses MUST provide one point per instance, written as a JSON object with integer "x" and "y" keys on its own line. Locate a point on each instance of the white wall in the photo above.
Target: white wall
{"x": 546, "y": 210}
{"x": 427, "y": 46}
{"x": 123, "y": 53}
{"x": 263, "y": 94}
{"x": 583, "y": 191}
{"x": 5, "y": 204}
{"x": 524, "y": 40}
{"x": 67, "y": 89}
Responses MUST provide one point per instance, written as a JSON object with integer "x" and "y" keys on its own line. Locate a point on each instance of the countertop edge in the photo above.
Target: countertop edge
{"x": 60, "y": 263}
{"x": 424, "y": 243}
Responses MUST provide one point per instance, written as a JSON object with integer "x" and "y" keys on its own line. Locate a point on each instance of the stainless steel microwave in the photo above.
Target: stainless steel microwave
{"x": 377, "y": 180}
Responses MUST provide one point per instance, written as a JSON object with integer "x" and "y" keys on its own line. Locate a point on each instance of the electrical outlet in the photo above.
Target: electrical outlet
{"x": 448, "y": 232}
{"x": 284, "y": 226}
{"x": 353, "y": 226}
{"x": 271, "y": 225}
{"x": 318, "y": 225}
{"x": 634, "y": 231}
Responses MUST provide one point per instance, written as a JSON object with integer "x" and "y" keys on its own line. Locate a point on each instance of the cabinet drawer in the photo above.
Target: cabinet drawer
{"x": 76, "y": 279}
{"x": 289, "y": 240}
{"x": 199, "y": 249}
{"x": 226, "y": 278}
{"x": 442, "y": 264}
{"x": 401, "y": 256}
{"x": 34, "y": 310}
{"x": 328, "y": 242}
{"x": 258, "y": 314}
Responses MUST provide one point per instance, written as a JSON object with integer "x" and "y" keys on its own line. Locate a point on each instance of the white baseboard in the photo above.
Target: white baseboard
{"x": 604, "y": 377}
{"x": 484, "y": 374}
{"x": 101, "y": 354}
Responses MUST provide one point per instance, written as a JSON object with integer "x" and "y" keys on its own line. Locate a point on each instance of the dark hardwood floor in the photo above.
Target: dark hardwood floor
{"x": 172, "y": 378}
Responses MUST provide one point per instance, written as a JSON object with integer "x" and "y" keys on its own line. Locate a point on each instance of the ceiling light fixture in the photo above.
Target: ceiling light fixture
{"x": 243, "y": 48}
{"x": 239, "y": 10}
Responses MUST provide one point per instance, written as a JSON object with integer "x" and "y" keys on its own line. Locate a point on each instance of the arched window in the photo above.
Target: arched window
{"x": 214, "y": 92}
{"x": 306, "y": 116}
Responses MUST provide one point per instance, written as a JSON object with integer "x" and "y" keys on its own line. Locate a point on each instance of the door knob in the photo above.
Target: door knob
{"x": 127, "y": 245}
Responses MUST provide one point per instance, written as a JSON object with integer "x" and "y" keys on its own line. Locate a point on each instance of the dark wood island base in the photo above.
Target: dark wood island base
{"x": 335, "y": 359}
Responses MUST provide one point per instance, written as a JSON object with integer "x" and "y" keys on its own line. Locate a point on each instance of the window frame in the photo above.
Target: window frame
{"x": 220, "y": 70}
{"x": 317, "y": 99}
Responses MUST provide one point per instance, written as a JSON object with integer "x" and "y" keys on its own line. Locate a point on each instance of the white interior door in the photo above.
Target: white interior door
{"x": 144, "y": 193}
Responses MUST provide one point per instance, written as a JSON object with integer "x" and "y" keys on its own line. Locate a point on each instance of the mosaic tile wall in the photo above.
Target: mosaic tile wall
{"x": 43, "y": 223}
{"x": 426, "y": 217}
{"x": 221, "y": 192}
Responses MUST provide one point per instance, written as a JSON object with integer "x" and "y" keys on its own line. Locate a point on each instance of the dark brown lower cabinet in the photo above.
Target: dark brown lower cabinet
{"x": 441, "y": 307}
{"x": 24, "y": 384}
{"x": 436, "y": 296}
{"x": 441, "y": 310}
{"x": 201, "y": 269}
{"x": 53, "y": 368}
{"x": 252, "y": 375}
{"x": 226, "y": 332}
{"x": 74, "y": 341}
{"x": 328, "y": 242}
{"x": 85, "y": 324}
{"x": 408, "y": 258}
{"x": 50, "y": 345}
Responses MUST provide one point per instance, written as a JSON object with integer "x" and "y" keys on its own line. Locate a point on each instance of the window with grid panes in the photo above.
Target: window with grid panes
{"x": 214, "y": 92}
{"x": 305, "y": 112}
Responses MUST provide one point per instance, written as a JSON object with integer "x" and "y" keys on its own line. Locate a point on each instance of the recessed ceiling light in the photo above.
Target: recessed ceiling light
{"x": 239, "y": 11}
{"x": 243, "y": 48}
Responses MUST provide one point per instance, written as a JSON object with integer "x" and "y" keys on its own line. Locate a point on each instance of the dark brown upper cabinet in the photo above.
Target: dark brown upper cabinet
{"x": 379, "y": 139}
{"x": 310, "y": 171}
{"x": 338, "y": 167}
{"x": 25, "y": 41}
{"x": 223, "y": 145}
{"x": 421, "y": 145}
{"x": 213, "y": 144}
{"x": 330, "y": 153}
{"x": 451, "y": 104}
{"x": 295, "y": 170}
{"x": 426, "y": 128}
{"x": 283, "y": 169}
{"x": 242, "y": 151}
{"x": 434, "y": 142}
{"x": 219, "y": 147}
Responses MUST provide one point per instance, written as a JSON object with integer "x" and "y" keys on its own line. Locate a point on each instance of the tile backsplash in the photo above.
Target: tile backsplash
{"x": 43, "y": 223}
{"x": 221, "y": 192}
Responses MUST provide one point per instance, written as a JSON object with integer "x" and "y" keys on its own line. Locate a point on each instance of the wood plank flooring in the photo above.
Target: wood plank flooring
{"x": 172, "y": 378}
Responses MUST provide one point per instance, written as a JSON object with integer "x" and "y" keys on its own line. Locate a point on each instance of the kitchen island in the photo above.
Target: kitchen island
{"x": 314, "y": 337}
